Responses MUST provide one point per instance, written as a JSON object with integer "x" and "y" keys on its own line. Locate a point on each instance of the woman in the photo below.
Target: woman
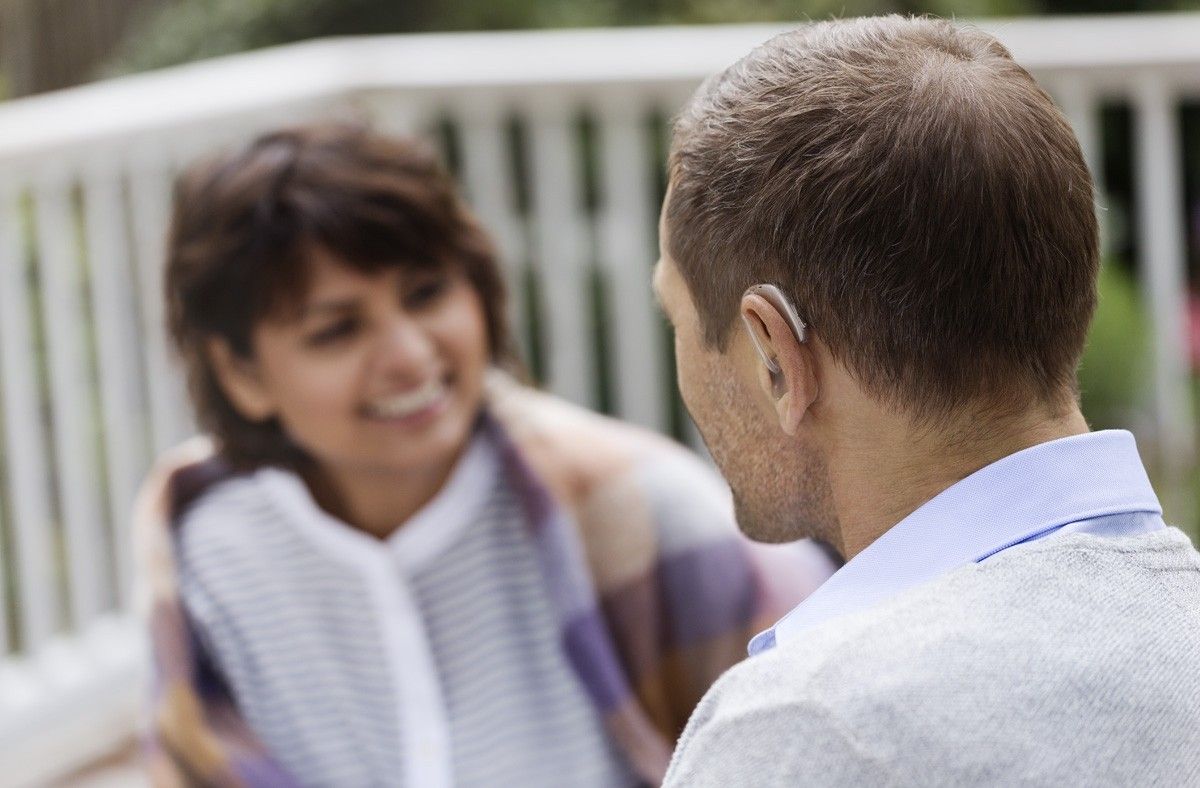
{"x": 391, "y": 563}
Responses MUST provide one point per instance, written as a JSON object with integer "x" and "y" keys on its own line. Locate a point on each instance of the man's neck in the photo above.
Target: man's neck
{"x": 889, "y": 469}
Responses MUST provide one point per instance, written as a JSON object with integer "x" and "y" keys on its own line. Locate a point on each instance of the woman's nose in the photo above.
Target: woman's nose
{"x": 405, "y": 348}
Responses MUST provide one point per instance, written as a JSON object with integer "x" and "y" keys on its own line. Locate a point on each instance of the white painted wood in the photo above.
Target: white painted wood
{"x": 78, "y": 700}
{"x": 28, "y": 479}
{"x": 1159, "y": 162}
{"x": 1081, "y": 106}
{"x": 150, "y": 201}
{"x": 114, "y": 308}
{"x": 562, "y": 253}
{"x": 70, "y": 397}
{"x": 489, "y": 185}
{"x": 627, "y": 253}
{"x": 389, "y": 112}
{"x": 573, "y": 60}
{"x": 5, "y": 526}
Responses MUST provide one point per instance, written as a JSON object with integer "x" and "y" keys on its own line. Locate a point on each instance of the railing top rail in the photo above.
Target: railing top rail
{"x": 516, "y": 61}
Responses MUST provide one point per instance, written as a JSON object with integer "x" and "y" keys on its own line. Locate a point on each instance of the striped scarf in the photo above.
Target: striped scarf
{"x": 647, "y": 633}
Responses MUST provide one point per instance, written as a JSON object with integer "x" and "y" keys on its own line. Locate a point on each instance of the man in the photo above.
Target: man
{"x": 879, "y": 255}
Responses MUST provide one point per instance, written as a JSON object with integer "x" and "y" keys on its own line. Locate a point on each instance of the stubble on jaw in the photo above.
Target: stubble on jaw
{"x": 781, "y": 492}
{"x": 791, "y": 506}
{"x": 780, "y": 488}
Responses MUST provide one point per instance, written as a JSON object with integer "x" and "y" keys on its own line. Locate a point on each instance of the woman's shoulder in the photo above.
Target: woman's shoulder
{"x": 689, "y": 499}
{"x": 576, "y": 447}
{"x": 188, "y": 484}
{"x": 626, "y": 484}
{"x": 200, "y": 505}
{"x": 220, "y": 512}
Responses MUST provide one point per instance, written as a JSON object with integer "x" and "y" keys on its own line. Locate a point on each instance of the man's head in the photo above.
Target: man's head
{"x": 925, "y": 208}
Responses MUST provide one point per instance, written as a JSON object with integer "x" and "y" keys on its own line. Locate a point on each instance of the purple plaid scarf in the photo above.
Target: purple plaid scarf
{"x": 647, "y": 635}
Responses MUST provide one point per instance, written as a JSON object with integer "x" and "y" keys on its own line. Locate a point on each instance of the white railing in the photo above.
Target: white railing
{"x": 88, "y": 393}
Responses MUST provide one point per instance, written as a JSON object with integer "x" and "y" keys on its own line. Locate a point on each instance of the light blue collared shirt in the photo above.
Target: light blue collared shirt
{"x": 1093, "y": 483}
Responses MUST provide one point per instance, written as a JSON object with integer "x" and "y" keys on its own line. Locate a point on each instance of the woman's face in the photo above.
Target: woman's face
{"x": 376, "y": 373}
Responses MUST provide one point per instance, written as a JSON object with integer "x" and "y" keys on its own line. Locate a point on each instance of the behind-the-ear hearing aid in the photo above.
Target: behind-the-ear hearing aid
{"x": 774, "y": 296}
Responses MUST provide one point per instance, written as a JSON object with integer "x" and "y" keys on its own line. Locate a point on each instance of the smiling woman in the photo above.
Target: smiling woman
{"x": 389, "y": 562}
{"x": 373, "y": 377}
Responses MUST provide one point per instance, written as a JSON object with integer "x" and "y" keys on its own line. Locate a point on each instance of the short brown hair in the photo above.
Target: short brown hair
{"x": 915, "y": 192}
{"x": 246, "y": 223}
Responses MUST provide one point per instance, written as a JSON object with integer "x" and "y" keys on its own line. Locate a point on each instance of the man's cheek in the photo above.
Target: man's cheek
{"x": 690, "y": 388}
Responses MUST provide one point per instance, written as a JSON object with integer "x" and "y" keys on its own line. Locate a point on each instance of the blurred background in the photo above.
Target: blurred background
{"x": 555, "y": 118}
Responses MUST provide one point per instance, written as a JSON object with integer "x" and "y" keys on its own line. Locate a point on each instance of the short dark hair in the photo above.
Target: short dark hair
{"x": 913, "y": 190}
{"x": 246, "y": 224}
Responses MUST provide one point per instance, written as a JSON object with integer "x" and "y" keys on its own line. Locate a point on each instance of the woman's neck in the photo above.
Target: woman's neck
{"x": 377, "y": 503}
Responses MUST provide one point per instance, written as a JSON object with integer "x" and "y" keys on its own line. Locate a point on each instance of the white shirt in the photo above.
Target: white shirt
{"x": 431, "y": 658}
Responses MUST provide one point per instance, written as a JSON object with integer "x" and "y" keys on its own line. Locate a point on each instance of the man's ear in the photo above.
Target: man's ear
{"x": 241, "y": 381}
{"x": 787, "y": 371}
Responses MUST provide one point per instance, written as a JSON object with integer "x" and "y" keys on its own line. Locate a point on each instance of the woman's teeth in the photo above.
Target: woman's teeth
{"x": 401, "y": 405}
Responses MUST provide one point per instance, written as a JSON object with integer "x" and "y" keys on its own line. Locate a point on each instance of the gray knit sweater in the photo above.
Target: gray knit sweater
{"x": 1073, "y": 660}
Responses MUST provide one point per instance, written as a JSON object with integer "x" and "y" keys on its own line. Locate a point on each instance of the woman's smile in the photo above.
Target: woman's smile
{"x": 415, "y": 407}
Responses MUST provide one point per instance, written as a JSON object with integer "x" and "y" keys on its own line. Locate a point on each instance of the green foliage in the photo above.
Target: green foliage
{"x": 186, "y": 30}
{"x": 1116, "y": 360}
{"x": 1114, "y": 381}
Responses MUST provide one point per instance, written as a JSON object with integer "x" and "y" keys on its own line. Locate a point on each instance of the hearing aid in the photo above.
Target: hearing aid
{"x": 775, "y": 297}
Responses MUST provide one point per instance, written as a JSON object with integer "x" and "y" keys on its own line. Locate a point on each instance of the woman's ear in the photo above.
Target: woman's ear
{"x": 241, "y": 381}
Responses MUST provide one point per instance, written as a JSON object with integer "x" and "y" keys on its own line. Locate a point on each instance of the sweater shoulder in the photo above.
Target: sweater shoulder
{"x": 1044, "y": 598}
{"x": 985, "y": 673}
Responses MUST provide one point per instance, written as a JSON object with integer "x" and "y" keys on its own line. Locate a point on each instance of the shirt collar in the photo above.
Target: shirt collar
{"x": 1014, "y": 499}
{"x": 420, "y": 539}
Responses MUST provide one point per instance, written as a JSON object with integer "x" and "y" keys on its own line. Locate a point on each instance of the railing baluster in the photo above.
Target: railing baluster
{"x": 1080, "y": 106}
{"x": 626, "y": 253}
{"x": 5, "y": 602}
{"x": 150, "y": 193}
{"x": 668, "y": 104}
{"x": 28, "y": 474}
{"x": 391, "y": 113}
{"x": 561, "y": 252}
{"x": 74, "y": 438}
{"x": 1164, "y": 278}
{"x": 488, "y": 178}
{"x": 114, "y": 308}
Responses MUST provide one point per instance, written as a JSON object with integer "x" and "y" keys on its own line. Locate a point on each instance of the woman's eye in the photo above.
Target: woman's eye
{"x": 334, "y": 332}
{"x": 424, "y": 293}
